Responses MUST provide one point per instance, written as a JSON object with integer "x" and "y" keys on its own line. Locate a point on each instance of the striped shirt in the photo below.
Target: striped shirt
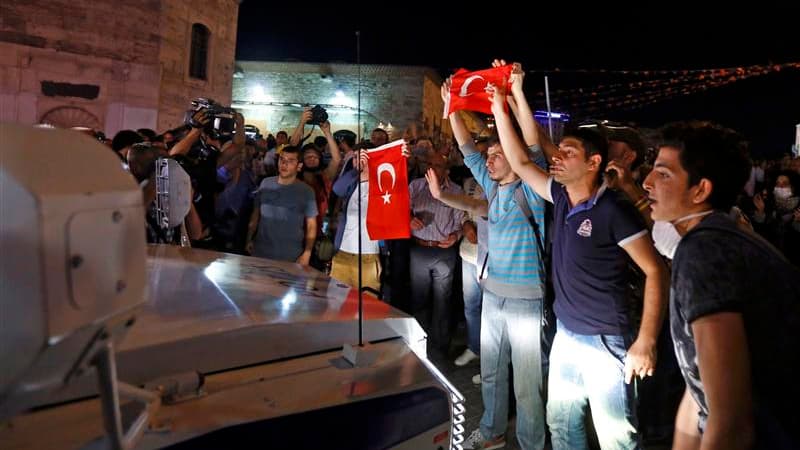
{"x": 468, "y": 250}
{"x": 440, "y": 220}
{"x": 515, "y": 268}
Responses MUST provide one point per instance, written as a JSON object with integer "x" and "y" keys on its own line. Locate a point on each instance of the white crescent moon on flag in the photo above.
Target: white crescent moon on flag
{"x": 386, "y": 167}
{"x": 465, "y": 86}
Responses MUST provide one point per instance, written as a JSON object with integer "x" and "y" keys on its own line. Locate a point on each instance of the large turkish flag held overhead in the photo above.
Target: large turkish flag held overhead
{"x": 468, "y": 89}
{"x": 389, "y": 209}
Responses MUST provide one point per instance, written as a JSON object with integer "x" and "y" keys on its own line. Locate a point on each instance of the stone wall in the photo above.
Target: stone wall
{"x": 177, "y": 87}
{"x": 108, "y": 64}
{"x": 272, "y": 94}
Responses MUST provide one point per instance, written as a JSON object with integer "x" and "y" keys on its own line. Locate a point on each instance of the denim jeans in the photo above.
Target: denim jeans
{"x": 432, "y": 272}
{"x": 588, "y": 370}
{"x": 472, "y": 305}
{"x": 511, "y": 332}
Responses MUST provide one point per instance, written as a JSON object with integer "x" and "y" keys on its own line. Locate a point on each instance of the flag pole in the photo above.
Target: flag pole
{"x": 358, "y": 188}
{"x": 549, "y": 114}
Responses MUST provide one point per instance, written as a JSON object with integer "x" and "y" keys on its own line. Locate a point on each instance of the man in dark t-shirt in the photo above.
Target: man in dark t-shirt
{"x": 734, "y": 300}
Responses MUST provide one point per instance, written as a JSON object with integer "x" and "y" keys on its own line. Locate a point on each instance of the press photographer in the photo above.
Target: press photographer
{"x": 217, "y": 136}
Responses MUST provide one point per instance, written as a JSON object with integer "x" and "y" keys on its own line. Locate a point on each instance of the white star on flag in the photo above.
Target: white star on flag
{"x": 386, "y": 198}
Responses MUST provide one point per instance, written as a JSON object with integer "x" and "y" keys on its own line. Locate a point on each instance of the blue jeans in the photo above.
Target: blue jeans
{"x": 588, "y": 370}
{"x": 511, "y": 332}
{"x": 472, "y": 305}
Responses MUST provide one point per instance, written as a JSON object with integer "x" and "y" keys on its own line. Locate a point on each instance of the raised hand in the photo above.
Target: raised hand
{"x": 445, "y": 89}
{"x": 433, "y": 183}
{"x": 306, "y": 116}
{"x": 497, "y": 96}
{"x": 326, "y": 128}
{"x": 363, "y": 158}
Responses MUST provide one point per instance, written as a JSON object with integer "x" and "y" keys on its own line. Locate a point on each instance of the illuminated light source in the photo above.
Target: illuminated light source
{"x": 341, "y": 99}
{"x": 259, "y": 94}
{"x": 560, "y": 117}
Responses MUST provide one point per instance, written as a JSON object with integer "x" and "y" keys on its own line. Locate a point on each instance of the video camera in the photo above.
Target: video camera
{"x": 222, "y": 121}
{"x": 318, "y": 115}
{"x": 252, "y": 132}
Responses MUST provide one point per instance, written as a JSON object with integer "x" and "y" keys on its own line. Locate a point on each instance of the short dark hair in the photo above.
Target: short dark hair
{"x": 142, "y": 160}
{"x": 320, "y": 142}
{"x": 381, "y": 130}
{"x": 492, "y": 140}
{"x": 292, "y": 149}
{"x": 147, "y": 133}
{"x": 125, "y": 138}
{"x": 281, "y": 132}
{"x": 710, "y": 151}
{"x": 633, "y": 139}
{"x": 310, "y": 146}
{"x": 346, "y": 136}
{"x": 594, "y": 142}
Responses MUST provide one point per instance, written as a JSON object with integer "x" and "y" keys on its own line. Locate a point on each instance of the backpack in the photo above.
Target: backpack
{"x": 545, "y": 251}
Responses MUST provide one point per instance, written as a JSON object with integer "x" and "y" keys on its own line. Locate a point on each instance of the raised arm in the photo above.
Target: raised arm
{"x": 532, "y": 132}
{"x": 460, "y": 131}
{"x": 336, "y": 155}
{"x": 476, "y": 207}
{"x": 297, "y": 134}
{"x": 515, "y": 151}
{"x": 198, "y": 121}
{"x": 235, "y": 147}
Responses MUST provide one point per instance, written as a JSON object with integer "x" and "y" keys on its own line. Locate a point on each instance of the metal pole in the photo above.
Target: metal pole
{"x": 549, "y": 115}
{"x": 358, "y": 192}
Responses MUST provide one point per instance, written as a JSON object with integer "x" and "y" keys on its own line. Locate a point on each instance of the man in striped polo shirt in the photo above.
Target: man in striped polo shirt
{"x": 435, "y": 229}
{"x": 512, "y": 298}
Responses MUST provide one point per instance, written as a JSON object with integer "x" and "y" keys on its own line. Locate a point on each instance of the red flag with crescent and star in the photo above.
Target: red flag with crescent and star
{"x": 389, "y": 208}
{"x": 468, "y": 89}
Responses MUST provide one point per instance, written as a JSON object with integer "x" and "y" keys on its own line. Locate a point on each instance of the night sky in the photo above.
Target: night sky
{"x": 765, "y": 108}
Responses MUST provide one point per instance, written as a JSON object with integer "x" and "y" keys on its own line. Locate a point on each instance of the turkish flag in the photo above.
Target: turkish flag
{"x": 389, "y": 208}
{"x": 468, "y": 89}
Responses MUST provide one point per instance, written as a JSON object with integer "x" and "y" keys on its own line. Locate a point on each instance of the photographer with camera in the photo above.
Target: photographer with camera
{"x": 310, "y": 116}
{"x": 216, "y": 137}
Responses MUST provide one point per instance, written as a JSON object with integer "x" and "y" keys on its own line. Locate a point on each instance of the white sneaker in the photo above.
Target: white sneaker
{"x": 466, "y": 358}
{"x": 477, "y": 441}
{"x": 476, "y": 380}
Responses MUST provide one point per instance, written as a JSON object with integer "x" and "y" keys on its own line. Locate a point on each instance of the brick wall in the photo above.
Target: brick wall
{"x": 177, "y": 87}
{"x": 133, "y": 54}
{"x": 270, "y": 95}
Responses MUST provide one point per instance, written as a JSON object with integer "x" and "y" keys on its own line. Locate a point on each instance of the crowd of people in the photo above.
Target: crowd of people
{"x": 593, "y": 271}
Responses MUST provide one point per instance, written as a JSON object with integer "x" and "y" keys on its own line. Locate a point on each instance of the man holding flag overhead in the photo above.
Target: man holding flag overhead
{"x": 468, "y": 89}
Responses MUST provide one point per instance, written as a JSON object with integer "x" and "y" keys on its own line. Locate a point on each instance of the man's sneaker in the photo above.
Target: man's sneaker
{"x": 476, "y": 441}
{"x": 466, "y": 358}
{"x": 476, "y": 380}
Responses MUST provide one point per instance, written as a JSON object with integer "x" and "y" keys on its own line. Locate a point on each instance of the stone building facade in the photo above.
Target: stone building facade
{"x": 113, "y": 65}
{"x": 271, "y": 95}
